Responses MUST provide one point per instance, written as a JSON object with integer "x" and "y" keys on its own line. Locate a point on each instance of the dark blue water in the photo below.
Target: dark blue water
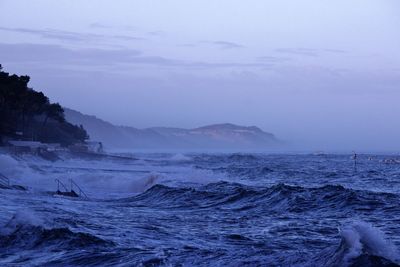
{"x": 247, "y": 210}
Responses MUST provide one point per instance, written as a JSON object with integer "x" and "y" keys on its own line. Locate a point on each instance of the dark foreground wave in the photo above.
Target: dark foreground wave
{"x": 359, "y": 243}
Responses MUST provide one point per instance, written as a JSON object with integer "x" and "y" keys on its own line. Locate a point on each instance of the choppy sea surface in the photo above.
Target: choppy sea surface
{"x": 202, "y": 210}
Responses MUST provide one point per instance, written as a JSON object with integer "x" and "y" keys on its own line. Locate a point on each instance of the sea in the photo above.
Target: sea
{"x": 203, "y": 209}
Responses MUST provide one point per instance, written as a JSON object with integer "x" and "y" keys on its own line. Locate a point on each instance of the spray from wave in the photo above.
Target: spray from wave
{"x": 180, "y": 157}
{"x": 361, "y": 245}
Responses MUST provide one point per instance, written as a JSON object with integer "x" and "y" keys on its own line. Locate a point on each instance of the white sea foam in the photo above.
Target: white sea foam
{"x": 180, "y": 157}
{"x": 103, "y": 178}
{"x": 178, "y": 177}
{"x": 8, "y": 165}
{"x": 362, "y": 237}
{"x": 21, "y": 218}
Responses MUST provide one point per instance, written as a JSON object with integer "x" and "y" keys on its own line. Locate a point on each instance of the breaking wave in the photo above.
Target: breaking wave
{"x": 361, "y": 244}
{"x": 180, "y": 157}
{"x": 276, "y": 198}
{"x": 25, "y": 231}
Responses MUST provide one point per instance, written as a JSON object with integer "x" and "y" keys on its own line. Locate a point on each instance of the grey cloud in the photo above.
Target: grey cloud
{"x": 58, "y": 54}
{"x": 51, "y": 34}
{"x": 125, "y": 37}
{"x": 273, "y": 59}
{"x": 228, "y": 65}
{"x": 99, "y": 26}
{"x": 310, "y": 52}
{"x": 187, "y": 45}
{"x": 55, "y": 54}
{"x": 68, "y": 35}
{"x": 226, "y": 45}
{"x": 155, "y": 33}
{"x": 298, "y": 51}
{"x": 335, "y": 51}
{"x": 219, "y": 44}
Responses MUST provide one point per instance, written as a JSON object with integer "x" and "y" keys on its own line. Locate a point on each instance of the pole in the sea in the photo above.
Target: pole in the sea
{"x": 355, "y": 160}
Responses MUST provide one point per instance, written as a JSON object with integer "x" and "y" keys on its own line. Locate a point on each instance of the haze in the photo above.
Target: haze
{"x": 317, "y": 74}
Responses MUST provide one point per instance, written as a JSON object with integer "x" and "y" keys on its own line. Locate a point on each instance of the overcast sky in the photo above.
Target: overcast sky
{"x": 313, "y": 72}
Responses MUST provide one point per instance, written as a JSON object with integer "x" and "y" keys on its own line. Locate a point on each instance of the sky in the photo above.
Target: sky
{"x": 318, "y": 74}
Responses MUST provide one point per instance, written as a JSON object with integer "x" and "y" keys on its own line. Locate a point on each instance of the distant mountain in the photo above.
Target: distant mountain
{"x": 213, "y": 137}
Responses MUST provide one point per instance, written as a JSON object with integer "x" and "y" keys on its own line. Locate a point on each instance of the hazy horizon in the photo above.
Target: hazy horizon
{"x": 321, "y": 75}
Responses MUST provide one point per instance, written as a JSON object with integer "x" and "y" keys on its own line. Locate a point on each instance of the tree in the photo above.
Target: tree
{"x": 22, "y": 109}
{"x": 33, "y": 104}
{"x": 55, "y": 112}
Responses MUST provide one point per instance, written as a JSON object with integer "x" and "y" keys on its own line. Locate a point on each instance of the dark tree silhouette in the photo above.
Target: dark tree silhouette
{"x": 28, "y": 114}
{"x": 55, "y": 112}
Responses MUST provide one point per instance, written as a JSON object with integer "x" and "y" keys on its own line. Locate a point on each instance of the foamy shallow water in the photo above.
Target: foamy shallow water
{"x": 203, "y": 210}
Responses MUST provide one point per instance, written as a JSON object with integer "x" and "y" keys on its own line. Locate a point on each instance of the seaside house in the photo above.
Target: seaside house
{"x": 25, "y": 146}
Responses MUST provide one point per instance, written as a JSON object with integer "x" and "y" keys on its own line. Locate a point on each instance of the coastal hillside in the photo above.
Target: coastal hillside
{"x": 213, "y": 137}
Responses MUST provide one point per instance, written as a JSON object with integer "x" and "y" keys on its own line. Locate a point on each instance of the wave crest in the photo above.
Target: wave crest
{"x": 24, "y": 231}
{"x": 361, "y": 244}
{"x": 277, "y": 198}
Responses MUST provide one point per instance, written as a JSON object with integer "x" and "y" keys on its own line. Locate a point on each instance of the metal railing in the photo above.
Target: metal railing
{"x": 81, "y": 193}
{"x": 58, "y": 185}
{"x": 5, "y": 181}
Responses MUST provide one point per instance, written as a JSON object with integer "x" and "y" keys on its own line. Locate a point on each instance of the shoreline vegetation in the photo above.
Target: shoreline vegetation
{"x": 28, "y": 115}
